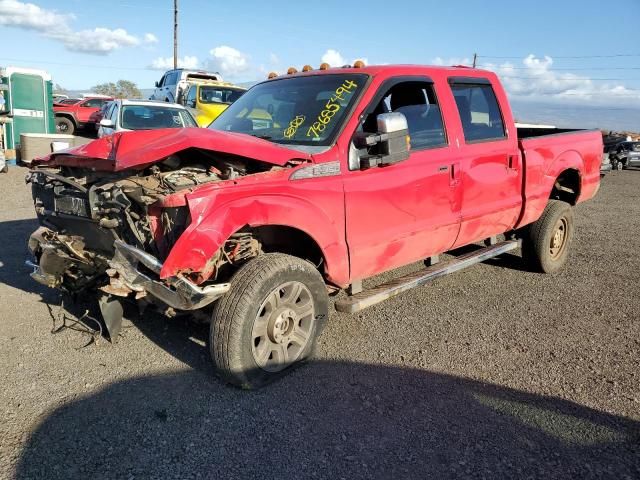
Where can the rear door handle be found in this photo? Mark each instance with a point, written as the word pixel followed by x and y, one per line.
pixel 512 162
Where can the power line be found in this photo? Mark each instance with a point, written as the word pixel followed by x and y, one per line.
pixel 485 65
pixel 614 55
pixel 572 79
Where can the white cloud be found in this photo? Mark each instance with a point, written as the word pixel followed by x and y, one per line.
pixel 51 24
pixel 29 16
pixel 535 78
pixel 228 61
pixel 335 59
pixel 150 38
pixel 166 63
pixel 97 41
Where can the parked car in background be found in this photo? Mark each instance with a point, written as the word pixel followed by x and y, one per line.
pixel 99 115
pixel 125 115
pixel 69 117
pixel 67 101
pixel 625 154
pixel 207 100
pixel 58 97
pixel 605 166
pixel 170 87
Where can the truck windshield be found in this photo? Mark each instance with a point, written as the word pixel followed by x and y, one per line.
pixel 150 117
pixel 210 94
pixel 307 110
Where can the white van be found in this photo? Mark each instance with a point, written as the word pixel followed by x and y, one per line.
pixel 173 83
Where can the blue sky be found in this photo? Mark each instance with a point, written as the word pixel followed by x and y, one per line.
pixel 82 42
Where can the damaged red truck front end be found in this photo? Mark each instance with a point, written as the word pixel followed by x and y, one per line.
pixel 111 213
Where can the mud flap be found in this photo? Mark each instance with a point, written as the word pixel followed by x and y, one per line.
pixel 111 310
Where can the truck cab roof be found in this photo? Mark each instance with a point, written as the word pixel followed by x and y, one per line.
pixel 399 70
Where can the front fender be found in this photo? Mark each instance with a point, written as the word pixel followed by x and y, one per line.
pixel 211 227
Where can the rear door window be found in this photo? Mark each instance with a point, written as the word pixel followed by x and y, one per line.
pixel 479 112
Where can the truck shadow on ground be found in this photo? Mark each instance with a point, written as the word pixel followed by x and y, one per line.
pixel 328 420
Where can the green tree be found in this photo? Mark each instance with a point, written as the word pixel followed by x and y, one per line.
pixel 57 88
pixel 120 89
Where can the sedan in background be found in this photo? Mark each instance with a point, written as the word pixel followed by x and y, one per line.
pixel 126 115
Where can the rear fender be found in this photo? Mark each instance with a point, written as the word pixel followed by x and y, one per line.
pixel 211 228
pixel 570 159
pixel 541 177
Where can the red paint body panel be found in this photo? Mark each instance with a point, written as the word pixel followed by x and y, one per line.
pixel 364 221
pixel 545 158
pixel 315 206
pixel 137 150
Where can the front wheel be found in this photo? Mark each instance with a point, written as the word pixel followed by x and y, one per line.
pixel 64 125
pixel 268 322
pixel 546 242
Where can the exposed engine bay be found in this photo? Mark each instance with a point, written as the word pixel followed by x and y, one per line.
pixel 110 231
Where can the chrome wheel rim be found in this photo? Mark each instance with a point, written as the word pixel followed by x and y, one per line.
pixel 559 238
pixel 283 326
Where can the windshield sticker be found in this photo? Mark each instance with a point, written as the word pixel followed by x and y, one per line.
pixel 293 126
pixel 332 107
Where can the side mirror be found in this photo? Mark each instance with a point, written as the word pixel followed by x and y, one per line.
pixel 192 103
pixel 392 141
pixel 157 84
pixel 107 123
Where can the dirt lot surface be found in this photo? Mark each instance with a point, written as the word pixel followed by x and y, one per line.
pixel 493 372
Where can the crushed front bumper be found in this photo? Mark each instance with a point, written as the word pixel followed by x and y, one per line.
pixel 126 275
pixel 60 259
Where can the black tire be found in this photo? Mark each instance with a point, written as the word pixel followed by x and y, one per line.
pixel 232 341
pixel 65 125
pixel 546 242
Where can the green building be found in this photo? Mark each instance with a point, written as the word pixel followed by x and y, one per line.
pixel 26 105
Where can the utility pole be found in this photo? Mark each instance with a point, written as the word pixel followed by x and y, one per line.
pixel 475 57
pixel 175 34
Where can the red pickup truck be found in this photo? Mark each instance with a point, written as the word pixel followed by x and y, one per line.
pixel 72 116
pixel 305 186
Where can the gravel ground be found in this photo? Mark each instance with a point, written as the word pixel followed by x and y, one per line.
pixel 493 372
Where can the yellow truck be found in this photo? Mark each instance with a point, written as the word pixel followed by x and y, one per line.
pixel 207 100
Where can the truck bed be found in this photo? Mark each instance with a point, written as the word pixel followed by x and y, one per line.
pixel 530 132
pixel 546 152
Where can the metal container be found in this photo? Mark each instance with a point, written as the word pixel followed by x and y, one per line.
pixel 26 99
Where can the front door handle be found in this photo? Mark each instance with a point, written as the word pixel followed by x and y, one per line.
pixel 454 174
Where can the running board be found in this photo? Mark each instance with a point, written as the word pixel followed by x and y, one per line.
pixel 367 298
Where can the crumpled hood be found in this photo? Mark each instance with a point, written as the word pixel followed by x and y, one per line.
pixel 137 150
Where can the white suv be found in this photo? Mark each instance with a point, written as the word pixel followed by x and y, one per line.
pixel 170 87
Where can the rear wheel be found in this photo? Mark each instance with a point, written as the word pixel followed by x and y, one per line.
pixel 269 320
pixel 546 242
pixel 65 125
